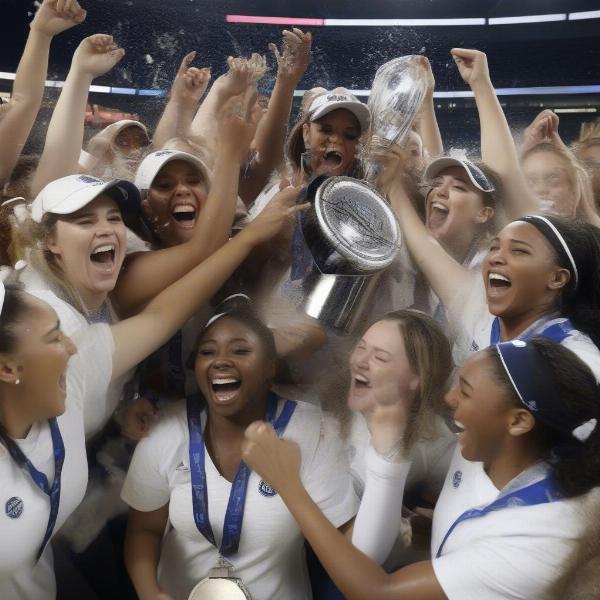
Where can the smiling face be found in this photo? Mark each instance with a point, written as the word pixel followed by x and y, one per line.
pixel 455 209
pixel 90 247
pixel 233 369
pixel 482 411
pixel 333 141
pixel 175 199
pixel 41 355
pixel 521 273
pixel 548 179
pixel 379 359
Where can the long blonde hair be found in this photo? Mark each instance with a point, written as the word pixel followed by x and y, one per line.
pixel 580 181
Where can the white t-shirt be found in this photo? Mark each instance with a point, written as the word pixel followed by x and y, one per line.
pixel 72 322
pixel 475 328
pixel 429 461
pixel 88 376
pixel 509 554
pixel 270 560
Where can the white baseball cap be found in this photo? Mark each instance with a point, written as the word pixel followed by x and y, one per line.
pixel 340 98
pixel 155 161
pixel 476 175
pixel 114 129
pixel 67 195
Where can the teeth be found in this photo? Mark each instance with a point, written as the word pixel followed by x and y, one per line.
pixel 498 277
pixel 361 378
pixel 439 206
pixel 106 248
pixel 225 381
pixel 459 425
pixel 184 208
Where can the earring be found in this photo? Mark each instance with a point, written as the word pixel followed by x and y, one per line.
pixel 17 382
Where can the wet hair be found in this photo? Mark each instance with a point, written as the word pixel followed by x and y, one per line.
pixel 247 318
pixel 430 358
pixel 574 464
pixel 14 308
pixel 580 181
pixel 581 303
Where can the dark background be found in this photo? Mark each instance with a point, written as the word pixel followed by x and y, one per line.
pixel 523 55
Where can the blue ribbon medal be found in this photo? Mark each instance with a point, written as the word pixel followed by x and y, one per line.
pixel 39 478
pixel 232 527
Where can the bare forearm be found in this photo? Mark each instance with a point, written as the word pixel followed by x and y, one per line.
pixel 142 552
pixel 204 124
pixel 175 121
pixel 429 130
pixel 498 150
pixel 65 132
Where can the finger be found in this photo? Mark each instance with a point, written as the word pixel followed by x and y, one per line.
pixel 297 209
pixel 60 6
pixel 185 63
pixel 80 16
pixel 284 183
pixel 253 430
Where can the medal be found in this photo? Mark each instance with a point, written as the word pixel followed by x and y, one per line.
pixel 220 584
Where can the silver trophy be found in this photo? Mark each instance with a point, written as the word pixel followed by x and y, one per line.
pixel 395 100
pixel 352 235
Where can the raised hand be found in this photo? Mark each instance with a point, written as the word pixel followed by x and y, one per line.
pixel 277 461
pixel 239 77
pixel 278 215
pixel 544 128
pixel 295 56
pixel 472 65
pixel 190 83
pixel 258 66
pixel 56 16
pixel 97 55
pixel 137 419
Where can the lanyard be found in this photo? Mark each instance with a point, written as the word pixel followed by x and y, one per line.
pixel 52 491
pixel 232 527
pixel 556 330
pixel 541 492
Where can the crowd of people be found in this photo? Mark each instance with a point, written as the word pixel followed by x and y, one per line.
pixel 169 415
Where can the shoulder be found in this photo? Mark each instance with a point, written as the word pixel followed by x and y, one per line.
pixel 582 345
pixel 71 320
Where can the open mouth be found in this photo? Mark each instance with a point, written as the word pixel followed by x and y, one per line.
pixel 438 213
pixel 62 383
pixel 184 214
pixel 104 255
pixel 456 426
pixel 361 382
pixel 498 281
pixel 225 388
pixel 333 158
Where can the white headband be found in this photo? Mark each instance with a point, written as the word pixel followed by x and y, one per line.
pixel 5 273
pixel 562 242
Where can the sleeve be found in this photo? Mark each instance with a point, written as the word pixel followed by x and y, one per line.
pixel 146 485
pixel 328 479
pixel 513 568
pixel 586 350
pixel 379 517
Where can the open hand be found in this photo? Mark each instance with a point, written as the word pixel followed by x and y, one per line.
pixel 190 83
pixel 56 16
pixel 472 65
pixel 277 461
pixel 295 55
pixel 278 215
pixel 97 55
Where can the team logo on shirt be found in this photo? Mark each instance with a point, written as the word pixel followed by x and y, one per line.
pixel 474 346
pixel 266 490
pixel 181 467
pixel 14 507
pixel 456 478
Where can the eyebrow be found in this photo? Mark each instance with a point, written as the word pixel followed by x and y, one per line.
pixel 516 241
pixel 463 381
pixel 238 339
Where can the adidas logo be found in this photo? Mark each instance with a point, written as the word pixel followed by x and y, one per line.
pixel 182 467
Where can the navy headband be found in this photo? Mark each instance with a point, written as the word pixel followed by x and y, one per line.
pixel 556 240
pixel 533 381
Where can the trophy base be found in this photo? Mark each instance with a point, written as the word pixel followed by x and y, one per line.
pixel 337 300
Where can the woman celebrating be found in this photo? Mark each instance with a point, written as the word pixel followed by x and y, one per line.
pixel 407 352
pixel 188 475
pixel 41 400
pixel 509 511
pixel 540 277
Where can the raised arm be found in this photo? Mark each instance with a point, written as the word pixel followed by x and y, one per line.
pixel 235 82
pixel 138 336
pixel 497 145
pixel 188 87
pixel 18 118
pixel 270 137
pixel 148 273
pixel 356 575
pixel 543 129
pixel 95 56
pixel 427 121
